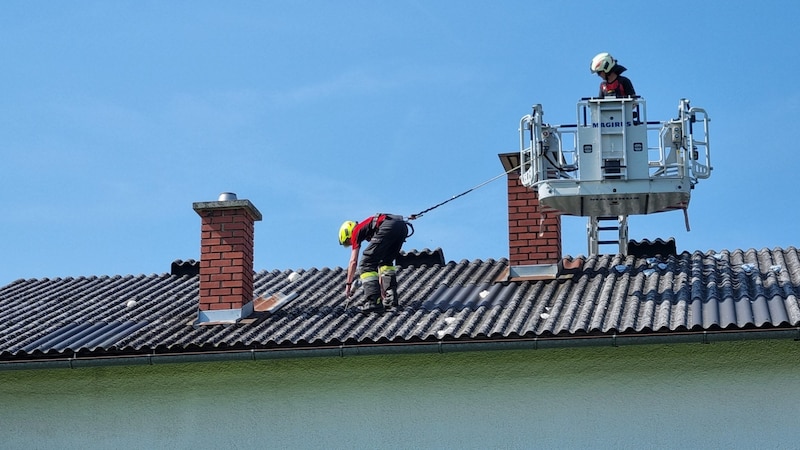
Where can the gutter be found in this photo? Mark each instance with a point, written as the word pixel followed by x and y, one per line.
pixel 441 346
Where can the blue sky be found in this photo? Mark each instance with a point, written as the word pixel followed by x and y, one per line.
pixel 116 116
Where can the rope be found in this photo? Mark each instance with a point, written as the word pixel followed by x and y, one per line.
pixel 419 214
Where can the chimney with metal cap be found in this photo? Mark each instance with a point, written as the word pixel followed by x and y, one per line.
pixel 534 236
pixel 226 258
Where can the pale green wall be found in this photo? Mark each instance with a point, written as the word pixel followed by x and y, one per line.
pixel 719 395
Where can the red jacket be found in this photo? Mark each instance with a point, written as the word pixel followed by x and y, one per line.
pixel 366 229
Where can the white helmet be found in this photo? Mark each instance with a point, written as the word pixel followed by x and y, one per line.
pixel 602 62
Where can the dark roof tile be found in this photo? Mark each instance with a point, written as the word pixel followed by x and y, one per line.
pixel 606 295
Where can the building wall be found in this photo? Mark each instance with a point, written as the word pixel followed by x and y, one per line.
pixel 719 395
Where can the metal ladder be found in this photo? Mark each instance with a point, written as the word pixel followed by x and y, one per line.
pixel 598 224
pixel 614 165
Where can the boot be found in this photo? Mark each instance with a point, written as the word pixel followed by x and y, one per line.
pixel 372 305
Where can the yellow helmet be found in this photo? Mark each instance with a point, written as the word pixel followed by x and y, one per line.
pixel 346 232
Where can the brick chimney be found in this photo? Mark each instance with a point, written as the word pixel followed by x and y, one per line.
pixel 534 237
pixel 226 258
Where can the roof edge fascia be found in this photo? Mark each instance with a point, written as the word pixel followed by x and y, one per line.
pixel 441 346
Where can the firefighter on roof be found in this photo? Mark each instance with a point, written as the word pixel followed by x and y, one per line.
pixel 386 234
pixel 613 84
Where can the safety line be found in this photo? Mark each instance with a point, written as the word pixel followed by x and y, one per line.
pixel 419 214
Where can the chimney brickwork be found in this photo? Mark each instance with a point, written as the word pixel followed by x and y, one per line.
pixel 226 253
pixel 534 236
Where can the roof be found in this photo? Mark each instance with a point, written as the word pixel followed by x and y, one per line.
pixel 467 302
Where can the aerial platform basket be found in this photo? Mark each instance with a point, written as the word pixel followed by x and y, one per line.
pixel 614 162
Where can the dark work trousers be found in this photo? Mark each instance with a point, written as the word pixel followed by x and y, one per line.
pixel 383 249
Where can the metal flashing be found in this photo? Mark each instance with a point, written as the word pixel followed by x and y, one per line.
pixel 533 272
pixel 224 316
